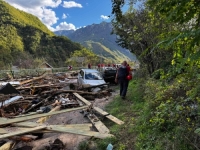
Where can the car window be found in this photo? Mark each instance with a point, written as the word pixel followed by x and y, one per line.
pixel 93 76
pixel 82 73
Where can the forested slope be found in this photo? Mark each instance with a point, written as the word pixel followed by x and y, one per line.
pixel 24 37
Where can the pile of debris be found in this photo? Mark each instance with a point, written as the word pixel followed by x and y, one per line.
pixel 40 98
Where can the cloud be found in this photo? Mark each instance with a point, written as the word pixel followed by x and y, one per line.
pixel 65 26
pixel 70 4
pixel 39 8
pixel 64 16
pixel 104 17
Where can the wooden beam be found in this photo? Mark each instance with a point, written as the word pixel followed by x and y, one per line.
pixel 44 119
pixel 99 110
pixel 82 127
pixel 21 119
pixel 82 99
pixel 107 115
pixel 8 145
pixel 22 132
pixel 114 119
pixel 98 124
pixel 80 132
pixel 36 78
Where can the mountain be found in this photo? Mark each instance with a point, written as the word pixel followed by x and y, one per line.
pixel 98 38
pixel 24 37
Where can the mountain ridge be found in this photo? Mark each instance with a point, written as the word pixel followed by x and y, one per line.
pixel 92 36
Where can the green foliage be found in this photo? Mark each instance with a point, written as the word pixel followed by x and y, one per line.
pixel 82 58
pixel 11 15
pixel 174 114
pixel 23 34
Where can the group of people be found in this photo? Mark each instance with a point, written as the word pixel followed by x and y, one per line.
pixel 123 76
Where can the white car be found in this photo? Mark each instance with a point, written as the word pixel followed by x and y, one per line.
pixel 90 76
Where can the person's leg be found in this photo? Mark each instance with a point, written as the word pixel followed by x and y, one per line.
pixel 121 87
pixel 125 87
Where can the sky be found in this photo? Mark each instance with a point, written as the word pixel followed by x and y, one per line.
pixel 66 14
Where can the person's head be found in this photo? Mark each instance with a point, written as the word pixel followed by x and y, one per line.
pixel 124 63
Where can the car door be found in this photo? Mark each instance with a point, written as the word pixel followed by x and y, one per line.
pixel 81 78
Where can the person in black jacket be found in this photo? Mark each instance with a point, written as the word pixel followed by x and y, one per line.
pixel 121 78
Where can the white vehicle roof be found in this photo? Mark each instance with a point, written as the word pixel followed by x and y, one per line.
pixel 89 70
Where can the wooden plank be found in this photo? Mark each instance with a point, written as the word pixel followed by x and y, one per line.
pixel 100 111
pixel 82 99
pixel 26 124
pixel 114 119
pixel 7 146
pixel 21 119
pixel 82 127
pixel 58 128
pixel 98 124
pixel 44 119
pixel 22 132
pixel 107 115
pixel 36 78
pixel 79 132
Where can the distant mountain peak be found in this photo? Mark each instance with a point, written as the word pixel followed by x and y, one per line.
pixel 95 35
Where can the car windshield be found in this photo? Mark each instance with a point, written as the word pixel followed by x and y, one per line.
pixel 93 76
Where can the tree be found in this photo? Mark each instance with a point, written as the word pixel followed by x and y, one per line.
pixel 87 55
pixel 138 31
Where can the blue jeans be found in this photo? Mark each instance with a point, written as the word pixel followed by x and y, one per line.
pixel 123 87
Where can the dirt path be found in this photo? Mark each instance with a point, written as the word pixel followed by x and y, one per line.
pixel 71 141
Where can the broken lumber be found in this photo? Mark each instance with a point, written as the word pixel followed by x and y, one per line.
pixel 73 129
pixel 21 119
pixel 22 132
pixel 30 80
pixel 8 145
pixel 86 133
pixel 98 124
pixel 44 119
pixel 99 110
pixel 82 99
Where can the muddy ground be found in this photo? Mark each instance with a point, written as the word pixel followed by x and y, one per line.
pixel 71 141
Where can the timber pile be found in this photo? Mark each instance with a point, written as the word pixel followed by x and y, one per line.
pixel 42 97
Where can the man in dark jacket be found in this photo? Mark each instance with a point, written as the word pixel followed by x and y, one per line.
pixel 121 78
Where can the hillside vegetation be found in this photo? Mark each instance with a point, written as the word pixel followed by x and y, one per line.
pixel 98 38
pixel 161 110
pixel 24 37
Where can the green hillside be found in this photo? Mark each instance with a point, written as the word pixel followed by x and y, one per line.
pixel 98 38
pixel 24 37
pixel 104 52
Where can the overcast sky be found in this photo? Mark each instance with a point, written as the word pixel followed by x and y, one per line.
pixel 66 14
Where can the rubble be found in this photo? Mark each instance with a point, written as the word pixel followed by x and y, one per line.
pixel 40 98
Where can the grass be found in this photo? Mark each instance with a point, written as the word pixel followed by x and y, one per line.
pixel 127 110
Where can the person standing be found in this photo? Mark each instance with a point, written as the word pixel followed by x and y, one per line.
pixel 121 78
pixel 89 66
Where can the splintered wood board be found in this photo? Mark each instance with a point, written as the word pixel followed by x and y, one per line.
pixel 107 115
pixel 82 127
pixel 82 99
pixel 22 132
pixel 44 119
pixel 21 119
pixel 99 110
pixel 114 119
pixel 99 125
pixel 81 132
pixel 79 129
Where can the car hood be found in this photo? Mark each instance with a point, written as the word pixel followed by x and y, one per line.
pixel 94 82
